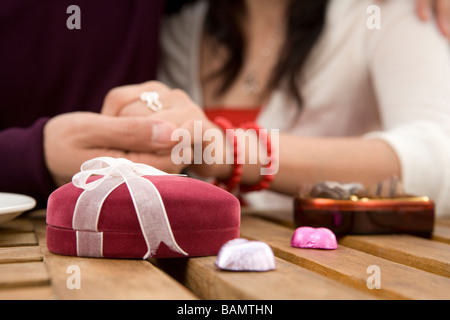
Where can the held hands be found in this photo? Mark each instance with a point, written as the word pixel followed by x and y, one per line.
pixel 127 128
pixel 177 108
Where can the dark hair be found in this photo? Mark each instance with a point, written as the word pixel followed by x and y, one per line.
pixel 305 22
pixel 173 6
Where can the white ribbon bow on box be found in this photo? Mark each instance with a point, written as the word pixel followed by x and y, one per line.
pixel 150 209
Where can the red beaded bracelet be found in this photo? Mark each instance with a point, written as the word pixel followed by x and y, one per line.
pixel 235 179
pixel 266 180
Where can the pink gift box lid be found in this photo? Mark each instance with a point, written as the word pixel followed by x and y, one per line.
pixel 202 216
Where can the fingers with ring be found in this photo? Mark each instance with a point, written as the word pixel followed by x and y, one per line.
pixel 152 100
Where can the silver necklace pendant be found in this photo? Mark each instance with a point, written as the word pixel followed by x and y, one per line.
pixel 251 84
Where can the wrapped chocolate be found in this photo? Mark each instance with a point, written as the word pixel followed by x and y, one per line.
pixel 118 209
pixel 386 189
pixel 314 238
pixel 335 190
pixel 245 255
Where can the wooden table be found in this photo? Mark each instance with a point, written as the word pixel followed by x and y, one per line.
pixel 406 267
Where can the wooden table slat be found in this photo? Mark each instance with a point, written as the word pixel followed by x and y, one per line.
pixel 44 292
pixel 411 268
pixel 350 266
pixel 20 224
pixel 16 239
pixel 20 254
pixel 109 279
pixel 23 274
pixel 443 222
pixel 441 232
pixel 424 254
pixel 287 282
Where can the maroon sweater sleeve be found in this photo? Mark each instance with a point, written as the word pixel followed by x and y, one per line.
pixel 48 69
pixel 23 168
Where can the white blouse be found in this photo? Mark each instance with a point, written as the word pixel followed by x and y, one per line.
pixel 391 83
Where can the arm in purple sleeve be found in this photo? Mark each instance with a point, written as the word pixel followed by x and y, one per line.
pixel 48 69
pixel 22 163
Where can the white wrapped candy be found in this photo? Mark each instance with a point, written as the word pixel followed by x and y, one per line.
pixel 244 255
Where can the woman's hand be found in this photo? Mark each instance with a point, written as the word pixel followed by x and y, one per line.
pixel 178 109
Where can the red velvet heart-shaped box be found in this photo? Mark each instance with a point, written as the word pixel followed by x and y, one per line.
pixel 202 218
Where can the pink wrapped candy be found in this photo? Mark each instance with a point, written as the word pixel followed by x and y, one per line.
pixel 312 238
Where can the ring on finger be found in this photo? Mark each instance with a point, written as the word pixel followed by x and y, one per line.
pixel 152 100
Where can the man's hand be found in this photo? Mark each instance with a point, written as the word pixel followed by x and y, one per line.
pixel 425 10
pixel 73 138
